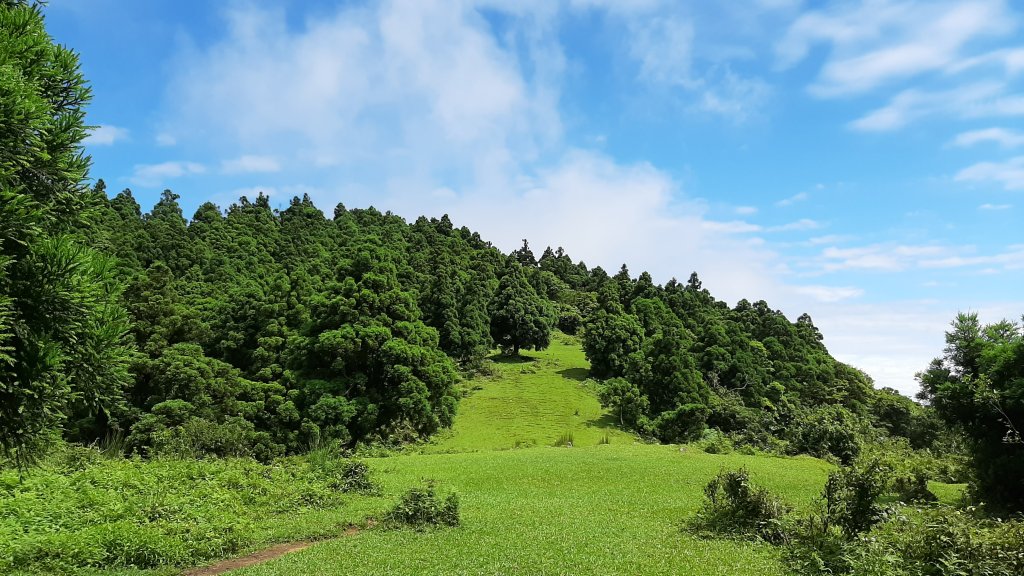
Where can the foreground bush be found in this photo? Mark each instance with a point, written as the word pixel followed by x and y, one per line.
pixel 421 507
pixel 735 507
pixel 79 510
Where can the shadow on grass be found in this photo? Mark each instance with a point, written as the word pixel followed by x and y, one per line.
pixel 501 358
pixel 603 421
pixel 578 374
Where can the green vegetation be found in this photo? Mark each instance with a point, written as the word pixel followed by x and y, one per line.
pixel 978 385
pixel 234 362
pixel 533 400
pixel 80 511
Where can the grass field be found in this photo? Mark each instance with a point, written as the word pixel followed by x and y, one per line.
pixel 615 508
pixel 610 504
pixel 534 400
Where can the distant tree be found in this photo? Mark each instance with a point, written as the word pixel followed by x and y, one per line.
pixel 626 401
pixel 610 336
pixel 524 256
pixel 63 333
pixel 520 318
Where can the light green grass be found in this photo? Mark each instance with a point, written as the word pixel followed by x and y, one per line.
pixel 950 494
pixel 590 509
pixel 531 401
pixel 615 509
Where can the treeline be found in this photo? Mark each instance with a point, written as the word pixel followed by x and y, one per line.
pixel 265 331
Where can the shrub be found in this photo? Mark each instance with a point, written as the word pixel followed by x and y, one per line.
pixel 828 431
pixel 913 487
pixel 940 542
pixel 715 442
pixel 734 506
pixel 421 507
pixel 682 424
pixel 340 473
pixel 848 506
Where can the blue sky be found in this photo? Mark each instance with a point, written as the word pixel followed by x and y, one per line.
pixel 862 161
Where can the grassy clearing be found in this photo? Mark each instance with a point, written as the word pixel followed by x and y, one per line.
pixel 596 508
pixel 614 509
pixel 535 400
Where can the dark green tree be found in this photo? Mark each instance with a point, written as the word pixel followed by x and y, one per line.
pixel 63 345
pixel 520 318
pixel 978 386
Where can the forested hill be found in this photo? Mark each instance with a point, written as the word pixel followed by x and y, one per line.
pixel 264 331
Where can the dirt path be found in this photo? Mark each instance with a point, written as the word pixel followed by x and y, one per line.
pixel 261 556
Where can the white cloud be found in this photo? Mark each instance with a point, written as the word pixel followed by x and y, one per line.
pixel 1011 259
pixel 105 135
pixel 157 174
pixel 828 239
pixel 801 224
pixel 995 207
pixel 875 42
pixel 979 100
pixel 249 164
pixel 1008 174
pixel 798 197
pixel 878 257
pixel 1002 136
pixel 829 293
pixel 745 210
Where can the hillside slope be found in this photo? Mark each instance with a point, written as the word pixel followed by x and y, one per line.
pixel 615 508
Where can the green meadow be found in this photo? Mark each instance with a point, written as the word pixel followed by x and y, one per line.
pixel 530 503
pixel 529 507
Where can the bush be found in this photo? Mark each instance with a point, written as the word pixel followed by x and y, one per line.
pixel 421 507
pixel 828 431
pixel 913 487
pixel 734 506
pixel 80 510
pixel 340 473
pixel 682 424
pixel 715 442
pixel 940 542
pixel 848 506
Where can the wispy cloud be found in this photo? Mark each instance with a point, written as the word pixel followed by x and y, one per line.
pixel 802 224
pixel 995 207
pixel 1008 174
pixel 798 197
pixel 105 135
pixel 1002 136
pixel 978 100
pixel 1011 259
pixel 250 164
pixel 875 42
pixel 745 210
pixel 157 174
pixel 830 293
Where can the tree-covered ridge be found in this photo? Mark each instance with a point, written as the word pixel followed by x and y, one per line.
pixel 263 331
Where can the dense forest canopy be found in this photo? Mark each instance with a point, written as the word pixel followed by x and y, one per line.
pixel 265 331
